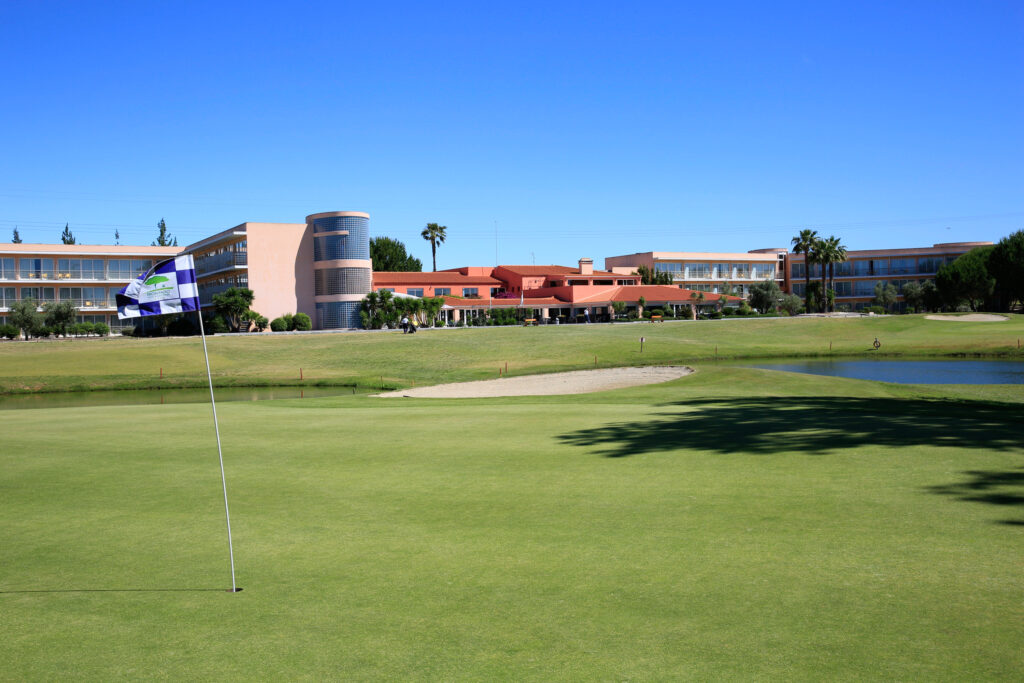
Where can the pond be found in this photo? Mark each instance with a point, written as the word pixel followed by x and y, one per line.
pixel 123 398
pixel 909 371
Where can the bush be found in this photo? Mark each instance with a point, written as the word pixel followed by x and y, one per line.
pixel 101 329
pixel 289 321
pixel 728 311
pixel 9 331
pixel 877 310
pixel 215 325
pixel 128 331
pixel 715 315
pixel 302 322
pixel 279 325
pixel 182 327
pixel 87 328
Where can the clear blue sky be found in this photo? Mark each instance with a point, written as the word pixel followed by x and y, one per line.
pixel 569 129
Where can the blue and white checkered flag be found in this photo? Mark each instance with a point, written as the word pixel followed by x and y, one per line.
pixel 168 287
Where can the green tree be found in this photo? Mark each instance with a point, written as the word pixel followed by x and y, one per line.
pixel 696 298
pixel 59 315
pixel 66 237
pixel 836 253
pixel 640 304
pixel 764 296
pixel 117 237
pixel 791 304
pixel 653 277
pixel 232 305
pixel 1006 264
pixel 967 280
pixel 619 307
pixel 434 234
pixel 389 256
pixel 803 244
pixel 25 317
pixel 885 295
pixel 913 295
pixel 302 322
pixel 931 298
pixel 16 238
pixel 164 238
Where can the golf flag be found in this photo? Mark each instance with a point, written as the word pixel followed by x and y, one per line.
pixel 168 287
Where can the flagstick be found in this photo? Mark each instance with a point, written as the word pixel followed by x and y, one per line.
pixel 220 454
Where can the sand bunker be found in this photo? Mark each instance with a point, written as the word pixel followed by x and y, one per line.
pixel 969 318
pixel 577 382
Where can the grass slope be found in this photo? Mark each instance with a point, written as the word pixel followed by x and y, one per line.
pixel 432 356
pixel 737 523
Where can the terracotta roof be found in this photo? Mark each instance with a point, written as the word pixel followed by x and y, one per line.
pixel 439 278
pixel 536 302
pixel 665 293
pixel 553 270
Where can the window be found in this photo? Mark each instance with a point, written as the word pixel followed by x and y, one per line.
pixel 415 291
pixel 36 268
pixel 40 294
pixel 742 270
pixel 799 270
pixel 930 264
pixel 329 281
pixel 865 287
pixel 330 248
pixel 844 269
pixel 7 271
pixel 701 270
pixel 862 268
pixel 442 291
pixel 844 288
pixel 470 291
pixel 762 271
pixel 6 297
pixel 125 269
pixel 901 266
pixel 668 267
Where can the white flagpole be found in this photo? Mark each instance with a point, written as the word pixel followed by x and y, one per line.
pixel 220 454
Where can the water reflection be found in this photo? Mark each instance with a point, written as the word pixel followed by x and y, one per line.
pixel 910 371
pixel 150 397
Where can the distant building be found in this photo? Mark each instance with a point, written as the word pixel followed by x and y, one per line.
pixel 863 269
pixel 712 272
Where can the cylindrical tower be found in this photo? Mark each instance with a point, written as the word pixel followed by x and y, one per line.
pixel 342 270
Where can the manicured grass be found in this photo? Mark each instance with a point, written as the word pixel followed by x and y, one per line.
pixel 737 523
pixel 432 356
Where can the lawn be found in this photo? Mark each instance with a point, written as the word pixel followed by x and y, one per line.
pixel 736 523
pixel 432 356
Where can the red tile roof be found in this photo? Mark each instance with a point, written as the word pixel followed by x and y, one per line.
pixel 536 302
pixel 555 270
pixel 431 279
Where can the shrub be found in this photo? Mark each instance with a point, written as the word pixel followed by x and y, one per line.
pixel 877 310
pixel 728 311
pixel 42 332
pixel 9 331
pixel 279 325
pixel 215 325
pixel 302 322
pixel 128 331
pixel 715 315
pixel 289 321
pixel 87 328
pixel 101 329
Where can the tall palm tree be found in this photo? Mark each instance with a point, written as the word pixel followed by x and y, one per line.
pixel 838 255
pixel 803 244
pixel 434 233
pixel 821 256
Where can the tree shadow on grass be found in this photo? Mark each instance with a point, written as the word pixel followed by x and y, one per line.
pixel 1004 488
pixel 809 425
pixel 820 425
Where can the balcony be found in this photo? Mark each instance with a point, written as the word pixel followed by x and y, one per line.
pixel 228 259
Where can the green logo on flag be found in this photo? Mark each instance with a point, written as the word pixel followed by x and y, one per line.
pixel 157 279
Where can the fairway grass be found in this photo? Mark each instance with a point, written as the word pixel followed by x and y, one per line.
pixel 734 524
pixel 369 360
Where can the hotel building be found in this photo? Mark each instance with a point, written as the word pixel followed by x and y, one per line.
pixel 857 276
pixel 87 275
pixel 713 272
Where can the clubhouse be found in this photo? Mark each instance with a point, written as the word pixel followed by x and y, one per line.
pixel 322 267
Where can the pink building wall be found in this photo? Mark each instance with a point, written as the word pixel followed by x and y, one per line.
pixel 280 257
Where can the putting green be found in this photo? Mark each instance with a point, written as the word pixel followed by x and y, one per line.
pixel 737 523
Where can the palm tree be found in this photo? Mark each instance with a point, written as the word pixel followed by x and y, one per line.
pixel 821 255
pixel 696 298
pixel 838 255
pixel 803 244
pixel 434 233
